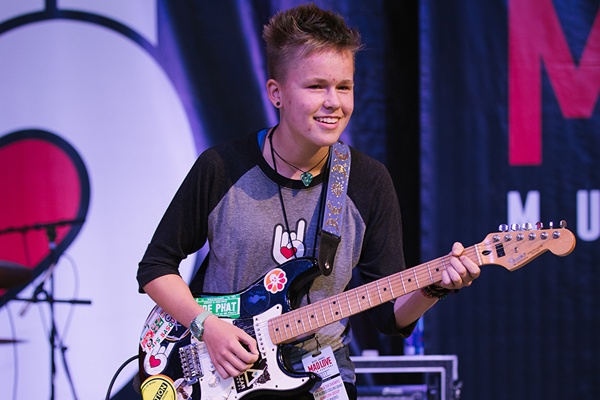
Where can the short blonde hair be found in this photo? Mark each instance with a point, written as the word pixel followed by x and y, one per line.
pixel 303 30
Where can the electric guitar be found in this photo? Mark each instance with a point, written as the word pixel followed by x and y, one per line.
pixel 171 359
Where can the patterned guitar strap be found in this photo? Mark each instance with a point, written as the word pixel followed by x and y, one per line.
pixel 335 199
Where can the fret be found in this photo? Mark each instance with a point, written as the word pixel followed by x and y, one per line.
pixel 291 325
pixel 384 292
pixel 349 304
pixel 323 313
pixel 416 278
pixel 331 310
pixel 368 295
pixel 429 270
pixel 300 322
pixel 479 260
pixel 379 292
pixel 402 280
pixel 337 313
pixel 343 304
pixel 275 330
pixel 278 328
pixel 310 313
pixel 358 300
pixel 285 319
pixel 444 263
pixel 389 279
pixel 409 282
pixel 308 318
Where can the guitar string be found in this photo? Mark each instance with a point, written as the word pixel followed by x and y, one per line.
pixel 421 272
pixel 429 272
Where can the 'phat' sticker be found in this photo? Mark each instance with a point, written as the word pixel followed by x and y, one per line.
pixel 227 306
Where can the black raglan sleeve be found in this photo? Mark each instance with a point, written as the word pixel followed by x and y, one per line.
pixel 382 253
pixel 183 228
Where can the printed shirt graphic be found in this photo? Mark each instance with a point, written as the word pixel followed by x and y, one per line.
pixel 288 245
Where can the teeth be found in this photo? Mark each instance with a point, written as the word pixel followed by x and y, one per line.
pixel 327 120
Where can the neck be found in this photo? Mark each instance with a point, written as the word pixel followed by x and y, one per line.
pixel 292 161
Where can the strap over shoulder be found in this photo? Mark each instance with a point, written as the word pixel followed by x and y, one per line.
pixel 337 186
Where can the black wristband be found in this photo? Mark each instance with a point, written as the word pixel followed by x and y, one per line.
pixel 436 292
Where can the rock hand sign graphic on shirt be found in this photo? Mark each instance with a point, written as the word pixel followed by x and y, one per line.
pixel 287 245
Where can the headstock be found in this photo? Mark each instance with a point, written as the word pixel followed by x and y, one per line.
pixel 513 247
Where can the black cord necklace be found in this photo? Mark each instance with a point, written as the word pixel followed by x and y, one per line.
pixel 321 196
pixel 306 176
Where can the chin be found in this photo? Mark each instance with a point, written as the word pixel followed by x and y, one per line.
pixel 329 136
pixel 327 140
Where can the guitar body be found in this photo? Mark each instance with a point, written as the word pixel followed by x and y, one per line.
pixel 168 349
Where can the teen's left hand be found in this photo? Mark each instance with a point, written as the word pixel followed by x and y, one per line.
pixel 461 272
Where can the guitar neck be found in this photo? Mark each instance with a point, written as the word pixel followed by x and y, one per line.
pixel 297 323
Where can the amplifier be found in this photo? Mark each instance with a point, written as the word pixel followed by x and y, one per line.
pixel 396 392
pixel 418 377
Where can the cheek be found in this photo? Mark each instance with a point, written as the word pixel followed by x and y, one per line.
pixel 307 106
pixel 348 107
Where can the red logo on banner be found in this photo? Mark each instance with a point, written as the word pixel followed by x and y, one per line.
pixel 537 40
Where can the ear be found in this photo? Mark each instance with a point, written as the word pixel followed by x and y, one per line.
pixel 274 93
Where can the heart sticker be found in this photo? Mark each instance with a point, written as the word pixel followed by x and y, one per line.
pixel 44 200
pixel 154 362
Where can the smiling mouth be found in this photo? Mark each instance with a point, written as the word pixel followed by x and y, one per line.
pixel 327 120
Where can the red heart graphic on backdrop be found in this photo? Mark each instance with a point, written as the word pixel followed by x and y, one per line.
pixel 44 199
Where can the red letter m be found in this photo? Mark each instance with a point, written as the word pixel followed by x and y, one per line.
pixel 535 36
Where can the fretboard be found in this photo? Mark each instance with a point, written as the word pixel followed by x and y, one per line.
pixel 297 323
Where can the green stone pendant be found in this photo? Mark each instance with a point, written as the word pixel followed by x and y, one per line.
pixel 307 178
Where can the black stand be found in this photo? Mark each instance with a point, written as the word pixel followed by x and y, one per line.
pixel 49 295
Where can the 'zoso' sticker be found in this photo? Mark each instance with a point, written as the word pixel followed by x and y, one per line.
pixel 275 280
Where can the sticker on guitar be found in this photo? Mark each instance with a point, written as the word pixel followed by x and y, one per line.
pixel 267 315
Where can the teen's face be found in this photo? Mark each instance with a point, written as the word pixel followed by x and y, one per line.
pixel 317 98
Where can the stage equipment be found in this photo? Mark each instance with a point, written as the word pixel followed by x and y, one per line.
pixel 46 295
pixel 420 377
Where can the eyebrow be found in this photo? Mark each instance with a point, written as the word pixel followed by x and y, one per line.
pixel 322 81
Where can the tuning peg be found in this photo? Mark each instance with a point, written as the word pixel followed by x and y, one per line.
pixel 520 237
pixel 563 224
pixel 527 226
pixel 515 227
pixel 503 228
pixel 550 225
pixel 539 225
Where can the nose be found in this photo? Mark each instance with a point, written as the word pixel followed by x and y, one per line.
pixel 332 100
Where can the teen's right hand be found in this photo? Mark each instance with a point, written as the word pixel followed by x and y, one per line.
pixel 231 350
